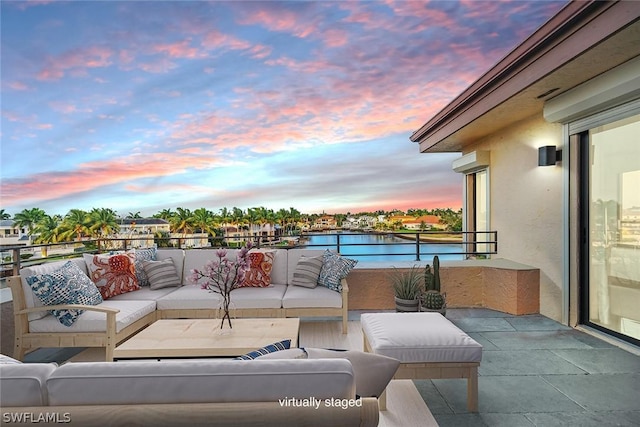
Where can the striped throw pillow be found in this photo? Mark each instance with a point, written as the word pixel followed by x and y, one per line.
pixel 271 348
pixel 307 271
pixel 161 274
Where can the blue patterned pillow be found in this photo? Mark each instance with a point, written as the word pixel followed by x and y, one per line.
pixel 271 348
pixel 148 254
pixel 65 285
pixel 334 269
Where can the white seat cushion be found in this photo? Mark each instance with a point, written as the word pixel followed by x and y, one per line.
pixel 269 297
pixel 419 337
pixel 200 381
pixel 321 297
pixel 189 297
pixel 91 321
pixel 143 294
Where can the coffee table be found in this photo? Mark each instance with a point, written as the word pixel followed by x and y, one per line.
pixel 183 338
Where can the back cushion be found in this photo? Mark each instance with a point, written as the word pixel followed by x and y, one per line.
pixel 31 300
pixel 23 384
pixel 200 381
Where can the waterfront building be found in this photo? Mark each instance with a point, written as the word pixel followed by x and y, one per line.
pixel 144 226
pixel 551 161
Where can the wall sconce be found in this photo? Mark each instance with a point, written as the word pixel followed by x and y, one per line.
pixel 548 155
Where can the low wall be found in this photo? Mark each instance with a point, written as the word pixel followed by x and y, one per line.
pixel 497 284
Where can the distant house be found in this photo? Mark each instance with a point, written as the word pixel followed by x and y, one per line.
pixel 144 225
pixel 325 222
pixel 424 222
pixel 12 235
pixel 551 161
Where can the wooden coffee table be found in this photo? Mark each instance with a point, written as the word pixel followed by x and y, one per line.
pixel 182 338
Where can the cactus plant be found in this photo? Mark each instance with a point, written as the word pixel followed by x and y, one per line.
pixel 432 299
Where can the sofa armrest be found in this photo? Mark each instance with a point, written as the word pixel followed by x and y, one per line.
pixel 108 310
pixel 345 286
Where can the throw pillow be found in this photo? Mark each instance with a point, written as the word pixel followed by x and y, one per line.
pixel 113 274
pixel 148 254
pixel 372 371
pixel 161 274
pixel 271 348
pixel 66 285
pixel 260 265
pixel 334 269
pixel 307 272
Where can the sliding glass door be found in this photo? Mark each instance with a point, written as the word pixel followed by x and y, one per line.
pixel 611 227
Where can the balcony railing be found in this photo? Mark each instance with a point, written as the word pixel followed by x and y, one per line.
pixel 386 244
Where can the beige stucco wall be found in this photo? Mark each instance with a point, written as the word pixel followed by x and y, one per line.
pixel 526 203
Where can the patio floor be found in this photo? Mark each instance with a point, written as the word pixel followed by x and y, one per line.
pixel 534 372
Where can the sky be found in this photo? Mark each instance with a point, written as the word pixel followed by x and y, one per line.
pixel 141 106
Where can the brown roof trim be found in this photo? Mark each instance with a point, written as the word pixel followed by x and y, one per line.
pixel 573 17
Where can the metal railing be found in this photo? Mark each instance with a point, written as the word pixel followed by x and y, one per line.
pixel 407 243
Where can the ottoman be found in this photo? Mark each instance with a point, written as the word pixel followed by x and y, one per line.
pixel 428 346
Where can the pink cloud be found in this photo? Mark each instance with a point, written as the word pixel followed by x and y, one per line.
pixel 16 85
pixel 77 60
pixel 93 175
pixel 178 50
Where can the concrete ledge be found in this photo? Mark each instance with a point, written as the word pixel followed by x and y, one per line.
pixel 498 284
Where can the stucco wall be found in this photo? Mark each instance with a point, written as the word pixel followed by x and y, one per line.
pixel 526 203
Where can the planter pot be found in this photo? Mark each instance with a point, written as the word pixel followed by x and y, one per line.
pixel 406 305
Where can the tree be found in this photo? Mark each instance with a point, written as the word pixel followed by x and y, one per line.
pixel 182 221
pixel 133 215
pixel 165 214
pixel 48 230
pixel 29 218
pixel 4 215
pixel 102 222
pixel 204 221
pixel 75 225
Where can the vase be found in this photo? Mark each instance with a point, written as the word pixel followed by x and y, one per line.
pixel 226 313
pixel 406 305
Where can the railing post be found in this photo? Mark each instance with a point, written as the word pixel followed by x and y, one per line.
pixel 338 243
pixel 16 261
pixel 417 246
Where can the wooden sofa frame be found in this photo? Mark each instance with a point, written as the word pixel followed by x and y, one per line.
pixel 26 340
pixel 236 414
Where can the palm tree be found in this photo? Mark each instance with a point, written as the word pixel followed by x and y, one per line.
pixel 47 229
pixel 225 216
pixel 29 218
pixel 103 222
pixel 75 225
pixel 134 215
pixel 4 215
pixel 182 222
pixel 165 214
pixel 204 220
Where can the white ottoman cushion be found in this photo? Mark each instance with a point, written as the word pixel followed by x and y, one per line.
pixel 419 338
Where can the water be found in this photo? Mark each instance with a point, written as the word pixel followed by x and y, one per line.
pixel 383 247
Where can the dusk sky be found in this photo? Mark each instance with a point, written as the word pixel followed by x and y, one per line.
pixel 142 106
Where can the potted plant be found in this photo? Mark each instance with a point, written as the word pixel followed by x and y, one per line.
pixel 432 299
pixel 407 287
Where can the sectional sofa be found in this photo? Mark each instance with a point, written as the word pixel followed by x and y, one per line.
pixel 291 392
pixel 119 317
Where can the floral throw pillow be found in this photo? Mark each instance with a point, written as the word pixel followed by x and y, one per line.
pixel 65 285
pixel 259 274
pixel 113 274
pixel 334 269
pixel 148 254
